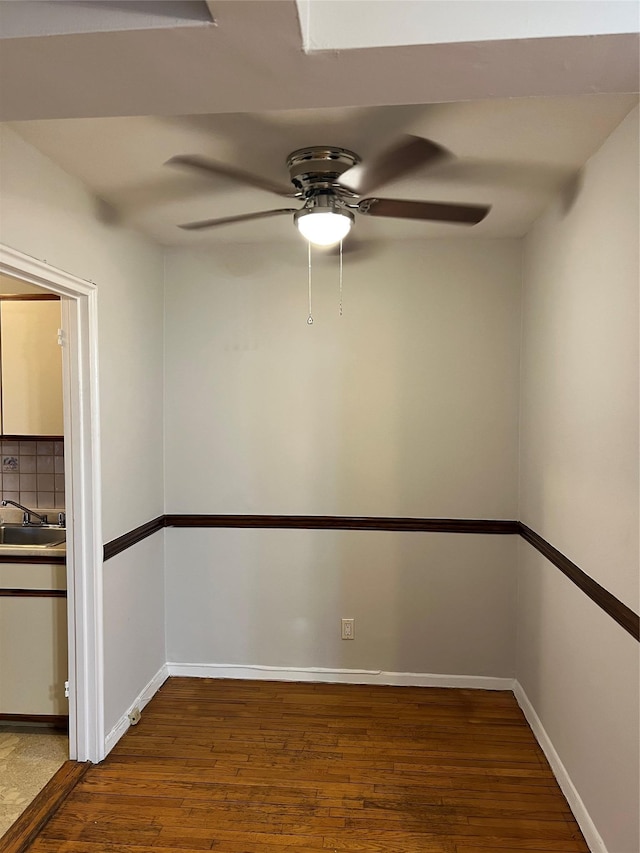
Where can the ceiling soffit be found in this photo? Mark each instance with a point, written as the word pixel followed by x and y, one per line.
pixel 252 60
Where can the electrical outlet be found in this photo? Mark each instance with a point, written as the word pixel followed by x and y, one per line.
pixel 348 629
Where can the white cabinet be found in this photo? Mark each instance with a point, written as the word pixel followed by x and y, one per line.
pixel 33 642
pixel 31 367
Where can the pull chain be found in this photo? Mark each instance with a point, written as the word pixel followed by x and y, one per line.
pixel 341 278
pixel 310 317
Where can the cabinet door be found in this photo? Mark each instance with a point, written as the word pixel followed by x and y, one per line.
pixel 33 656
pixel 31 367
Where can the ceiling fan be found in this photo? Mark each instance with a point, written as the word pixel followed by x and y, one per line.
pixel 331 182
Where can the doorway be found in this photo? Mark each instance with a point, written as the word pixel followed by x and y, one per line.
pixel 34 739
pixel 82 486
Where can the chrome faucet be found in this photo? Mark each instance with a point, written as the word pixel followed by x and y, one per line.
pixel 27 513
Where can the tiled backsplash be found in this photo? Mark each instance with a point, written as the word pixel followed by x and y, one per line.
pixel 33 472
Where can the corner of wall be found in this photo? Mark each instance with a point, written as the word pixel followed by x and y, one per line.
pixel 582 816
pixel 142 699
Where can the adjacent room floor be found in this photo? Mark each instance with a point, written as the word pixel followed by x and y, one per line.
pixel 254 767
pixel 29 756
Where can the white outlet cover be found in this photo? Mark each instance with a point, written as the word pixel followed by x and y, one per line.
pixel 348 629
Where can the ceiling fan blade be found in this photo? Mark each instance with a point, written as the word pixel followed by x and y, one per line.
pixel 212 167
pixel 412 152
pixel 227 220
pixel 431 211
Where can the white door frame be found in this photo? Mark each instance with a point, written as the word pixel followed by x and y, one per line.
pixel 82 486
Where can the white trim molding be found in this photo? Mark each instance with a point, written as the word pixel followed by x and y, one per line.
pixel 82 485
pixel 337 676
pixel 582 816
pixel 143 698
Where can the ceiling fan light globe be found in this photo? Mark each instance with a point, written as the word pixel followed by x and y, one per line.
pixel 324 227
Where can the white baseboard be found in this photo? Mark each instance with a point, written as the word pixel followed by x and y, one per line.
pixel 338 676
pixel 145 696
pixel 591 834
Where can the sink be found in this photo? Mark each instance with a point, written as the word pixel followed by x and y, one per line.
pixel 41 536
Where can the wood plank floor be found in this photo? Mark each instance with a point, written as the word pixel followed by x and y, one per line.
pixel 266 767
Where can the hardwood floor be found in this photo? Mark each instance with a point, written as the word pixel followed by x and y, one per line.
pixel 29 823
pixel 265 767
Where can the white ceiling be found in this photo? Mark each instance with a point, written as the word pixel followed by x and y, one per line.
pixel 513 154
pixel 63 17
pixel 522 115
pixel 325 26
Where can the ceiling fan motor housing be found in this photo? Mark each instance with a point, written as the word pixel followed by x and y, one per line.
pixel 319 167
pixel 324 202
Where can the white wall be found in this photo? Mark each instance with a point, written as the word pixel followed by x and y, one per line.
pixel 422 602
pixel 49 215
pixel 579 480
pixel 134 624
pixel 405 406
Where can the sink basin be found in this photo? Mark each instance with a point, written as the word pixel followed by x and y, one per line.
pixel 43 536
